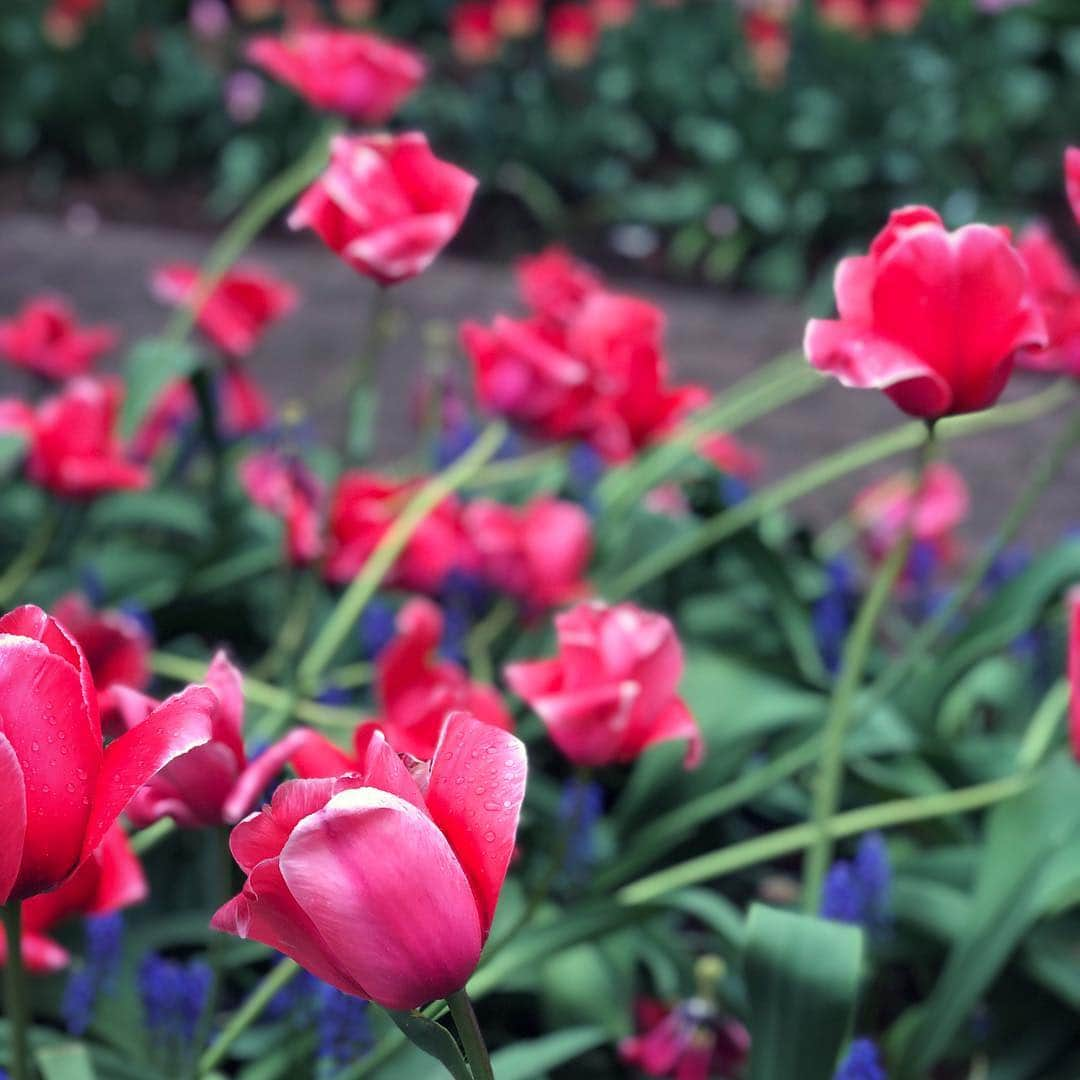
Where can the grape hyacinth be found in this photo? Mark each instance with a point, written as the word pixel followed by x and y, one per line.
pixel 375 628
pixel 857 891
pixel 174 998
pixel 862 1062
pixel 833 611
pixel 98 975
pixel 581 805
pixel 344 1029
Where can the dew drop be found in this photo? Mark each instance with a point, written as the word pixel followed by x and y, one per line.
pixel 489 836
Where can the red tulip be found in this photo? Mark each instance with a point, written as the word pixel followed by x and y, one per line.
pixel 933 318
pixel 362 76
pixel 572 34
pixel 414 691
pixel 45 338
pixel 291 491
pixel 612 690
pixel 1073 613
pixel 516 18
pixel 245 408
pixel 363 507
pixel 116 647
pixel 174 408
pixel 1056 286
pixel 537 553
pixel 194 789
pixel 730 456
pixel 384 882
pixel 238 310
pixel 613 13
pixel 386 204
pixel 73 449
pixel 768 40
pixel 556 285
pixel 60 789
pixel 473 33
pixel 1072 179
pixel 110 880
pixel 884 511
pixel 900 16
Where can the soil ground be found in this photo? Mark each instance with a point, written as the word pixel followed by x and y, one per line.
pixel 714 338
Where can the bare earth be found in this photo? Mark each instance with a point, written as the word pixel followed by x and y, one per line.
pixel 714 338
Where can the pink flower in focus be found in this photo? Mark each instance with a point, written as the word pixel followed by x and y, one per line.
pixel 364 77
pixel 933 318
pixel 45 338
pixel 386 204
pixel 239 309
pixel 612 690
pixel 384 881
pixel 110 880
pixel 883 511
pixel 537 553
pixel 291 491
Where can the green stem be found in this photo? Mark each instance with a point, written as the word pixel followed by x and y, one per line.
pixel 1039 736
pixel 364 586
pixel 484 634
pixel 152 835
pixel 19 571
pixel 1044 472
pixel 303 591
pixel 202 386
pixel 232 243
pixel 472 1038
pixel 782 842
pixel 15 992
pixel 252 1008
pixel 829 780
pixel 820 473
pixel 349 676
pixel 523 467
pixel 364 382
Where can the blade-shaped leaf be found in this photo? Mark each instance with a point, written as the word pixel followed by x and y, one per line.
pixel 65 1061
pixel 531 1059
pixel 433 1039
pixel 151 365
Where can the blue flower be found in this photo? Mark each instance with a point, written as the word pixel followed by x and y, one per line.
pixel 862 1062
pixel 98 975
pixel 376 628
pixel 858 891
pixel 334 695
pixel 458 435
pixel 733 490
pixel 1007 565
pixel 174 999
pixel 77 1004
pixel 581 805
pixel 586 468
pixel 344 1029
pixel 832 613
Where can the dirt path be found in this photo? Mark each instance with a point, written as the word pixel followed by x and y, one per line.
pixel 714 338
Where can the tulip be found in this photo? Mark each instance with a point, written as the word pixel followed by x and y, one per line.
pixel 612 14
pixel 611 692
pixel 245 408
pixel 110 880
pixel 116 645
pixel 60 788
pixel 1056 286
pixel 292 492
pixel 45 338
pixel 363 507
pixel 537 554
pixel 572 34
pixel 239 308
pixel 730 456
pixel 386 204
pixel 933 318
pixel 384 882
pixel 1072 179
pixel 174 408
pixel 473 33
pixel 73 448
pixel 516 18
pixel 363 77
pixel 555 285
pixel 414 691
pixel 687 1041
pixel 194 789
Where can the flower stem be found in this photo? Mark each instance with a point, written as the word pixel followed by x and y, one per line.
pixel 828 783
pixel 366 583
pixel 19 571
pixel 15 992
pixel 274 980
pixel 363 393
pixel 472 1038
pixel 146 839
pixel 817 475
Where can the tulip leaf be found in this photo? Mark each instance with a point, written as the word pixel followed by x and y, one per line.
pixel 12 448
pixel 433 1039
pixel 151 365
pixel 65 1061
pixel 802 978
pixel 533 1058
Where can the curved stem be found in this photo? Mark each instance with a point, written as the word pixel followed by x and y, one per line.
pixel 472 1038
pixel 29 558
pixel 781 842
pixel 820 473
pixel 15 992
pixel 829 779
pixel 152 835
pixel 393 542
pixel 274 980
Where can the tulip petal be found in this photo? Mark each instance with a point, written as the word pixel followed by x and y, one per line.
pixel 1072 179
pixel 474 795
pixel 41 955
pixel 12 817
pixel 387 894
pixel 176 726
pixel 382 768
pixel 677 722
pixel 228 685
pixel 267 911
pixel 121 882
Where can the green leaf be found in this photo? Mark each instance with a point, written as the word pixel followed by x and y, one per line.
pixel 12 448
pixel 433 1039
pixel 529 1060
pixel 168 510
pixel 151 365
pixel 65 1061
pixel 802 977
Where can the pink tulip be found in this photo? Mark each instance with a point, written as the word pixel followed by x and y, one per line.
pixel 384 882
pixel 612 690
